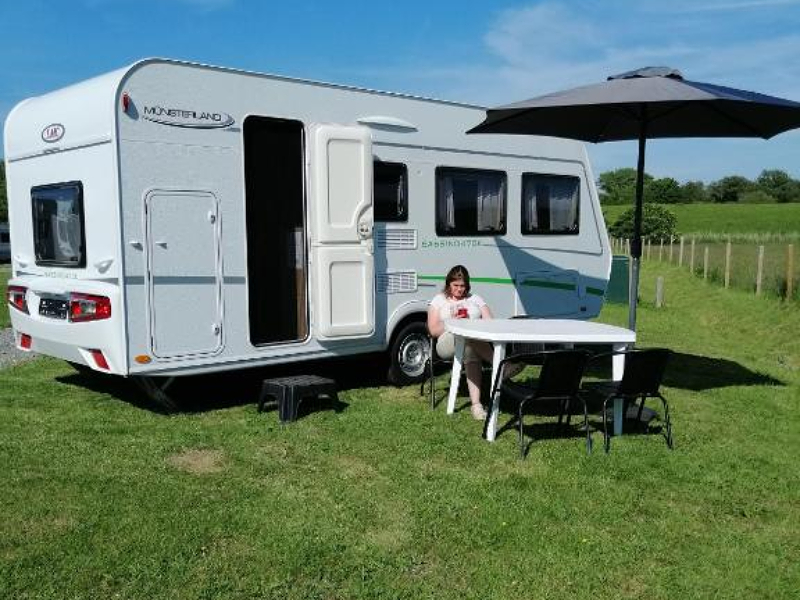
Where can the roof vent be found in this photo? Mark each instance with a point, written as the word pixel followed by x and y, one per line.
pixel 650 72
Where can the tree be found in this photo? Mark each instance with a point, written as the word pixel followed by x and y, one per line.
pixel 619 187
pixel 657 222
pixel 663 191
pixel 779 185
pixel 3 194
pixel 729 189
pixel 694 191
pixel 756 197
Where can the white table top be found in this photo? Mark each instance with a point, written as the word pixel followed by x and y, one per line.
pixel 539 330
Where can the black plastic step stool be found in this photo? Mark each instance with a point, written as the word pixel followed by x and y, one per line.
pixel 290 391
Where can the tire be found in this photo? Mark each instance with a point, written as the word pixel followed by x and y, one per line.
pixel 409 354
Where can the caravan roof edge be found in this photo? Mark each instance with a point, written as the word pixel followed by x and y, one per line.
pixel 147 61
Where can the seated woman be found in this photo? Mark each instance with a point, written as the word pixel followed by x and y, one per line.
pixel 457 302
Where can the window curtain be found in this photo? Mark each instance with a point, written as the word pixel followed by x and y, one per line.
pixel 563 204
pixel 489 204
pixel 447 209
pixel 66 227
pixel 529 202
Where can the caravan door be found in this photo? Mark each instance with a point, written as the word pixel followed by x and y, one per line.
pixel 184 276
pixel 342 261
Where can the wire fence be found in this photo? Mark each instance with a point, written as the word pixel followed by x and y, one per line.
pixel 766 268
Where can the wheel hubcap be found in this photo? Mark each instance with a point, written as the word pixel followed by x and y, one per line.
pixel 413 354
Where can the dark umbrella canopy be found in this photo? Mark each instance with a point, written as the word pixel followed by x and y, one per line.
pixel 654 102
pixel 675 108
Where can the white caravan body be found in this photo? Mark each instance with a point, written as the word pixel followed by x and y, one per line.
pixel 172 218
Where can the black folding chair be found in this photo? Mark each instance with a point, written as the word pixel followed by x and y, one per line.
pixel 433 364
pixel 559 379
pixel 644 372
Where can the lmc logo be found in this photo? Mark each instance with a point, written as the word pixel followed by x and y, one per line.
pixel 52 133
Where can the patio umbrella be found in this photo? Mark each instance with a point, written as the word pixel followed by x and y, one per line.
pixel 654 102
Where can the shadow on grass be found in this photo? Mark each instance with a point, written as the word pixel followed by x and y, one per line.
pixel 698 373
pixel 215 391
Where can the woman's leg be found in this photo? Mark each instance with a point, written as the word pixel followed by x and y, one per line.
pixel 474 376
pixel 483 349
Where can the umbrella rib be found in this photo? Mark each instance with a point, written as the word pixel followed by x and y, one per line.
pixel 739 122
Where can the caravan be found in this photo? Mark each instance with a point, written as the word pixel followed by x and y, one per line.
pixel 172 218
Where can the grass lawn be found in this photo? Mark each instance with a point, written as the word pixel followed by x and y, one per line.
pixel 102 498
pixel 742 219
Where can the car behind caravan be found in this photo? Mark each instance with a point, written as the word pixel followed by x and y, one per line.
pixel 171 218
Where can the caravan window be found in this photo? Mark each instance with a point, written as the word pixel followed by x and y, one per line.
pixel 550 204
pixel 390 191
pixel 58 234
pixel 470 202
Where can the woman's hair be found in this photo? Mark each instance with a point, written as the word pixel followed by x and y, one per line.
pixel 454 274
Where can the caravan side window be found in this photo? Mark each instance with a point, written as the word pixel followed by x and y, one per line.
pixel 550 204
pixel 470 202
pixel 58 232
pixel 390 191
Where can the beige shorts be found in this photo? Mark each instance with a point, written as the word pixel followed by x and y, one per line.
pixel 446 348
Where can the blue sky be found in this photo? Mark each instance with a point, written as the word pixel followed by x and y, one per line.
pixel 475 51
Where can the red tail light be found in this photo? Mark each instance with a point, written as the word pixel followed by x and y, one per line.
pixel 100 360
pixel 25 341
pixel 86 307
pixel 16 297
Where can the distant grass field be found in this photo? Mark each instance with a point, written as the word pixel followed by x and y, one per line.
pixel 721 219
pixel 103 498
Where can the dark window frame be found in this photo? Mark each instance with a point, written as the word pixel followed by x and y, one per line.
pixel 400 216
pixel 524 230
pixel 78 200
pixel 443 171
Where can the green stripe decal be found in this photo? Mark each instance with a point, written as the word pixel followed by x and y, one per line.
pixel 553 285
pixel 501 280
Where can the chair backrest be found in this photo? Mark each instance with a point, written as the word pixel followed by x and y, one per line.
pixel 644 371
pixel 561 374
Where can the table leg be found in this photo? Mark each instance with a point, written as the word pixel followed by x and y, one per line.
pixel 455 376
pixel 617 369
pixel 491 426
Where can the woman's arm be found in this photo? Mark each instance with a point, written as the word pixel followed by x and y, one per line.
pixel 486 313
pixel 435 324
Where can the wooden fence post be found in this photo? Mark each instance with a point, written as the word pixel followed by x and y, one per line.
pixel 789 271
pixel 728 263
pixel 759 270
pixel 648 248
pixel 661 249
pixel 659 291
pixel 705 263
pixel 670 249
pixel 680 253
pixel 691 257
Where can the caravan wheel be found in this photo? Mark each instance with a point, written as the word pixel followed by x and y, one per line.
pixel 409 354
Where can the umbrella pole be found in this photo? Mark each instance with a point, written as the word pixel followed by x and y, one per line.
pixel 636 243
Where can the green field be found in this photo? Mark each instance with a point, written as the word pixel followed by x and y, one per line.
pixel 723 219
pixel 103 498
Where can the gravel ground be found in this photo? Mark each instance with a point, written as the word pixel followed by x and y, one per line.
pixel 9 355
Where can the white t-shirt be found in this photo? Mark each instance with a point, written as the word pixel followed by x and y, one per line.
pixel 448 307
